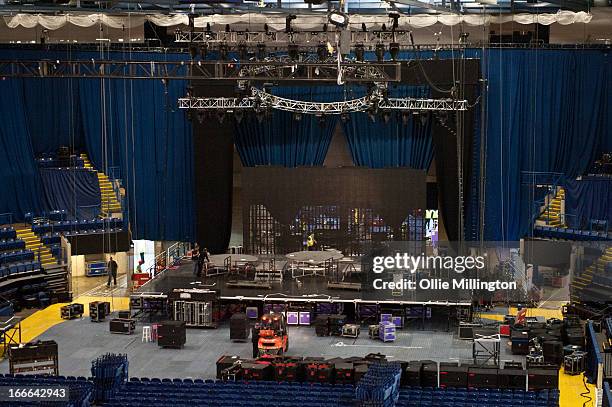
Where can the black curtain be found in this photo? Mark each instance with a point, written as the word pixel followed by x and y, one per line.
pixel 213 158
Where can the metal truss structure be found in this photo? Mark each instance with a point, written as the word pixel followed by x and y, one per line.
pixel 302 38
pixel 269 70
pixel 262 100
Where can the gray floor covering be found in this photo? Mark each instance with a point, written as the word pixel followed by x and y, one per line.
pixel 81 341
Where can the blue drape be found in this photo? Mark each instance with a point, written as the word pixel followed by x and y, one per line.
pixel 587 199
pixel 546 112
pixel 150 140
pixel 75 190
pixel 379 144
pixel 282 140
pixel 21 188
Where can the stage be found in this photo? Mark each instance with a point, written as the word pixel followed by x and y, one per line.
pixel 306 289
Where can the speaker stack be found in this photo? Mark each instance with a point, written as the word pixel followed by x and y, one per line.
pixel 541 379
pixel 171 334
pixel 411 374
pixel 512 378
pixel 452 375
pixel 239 327
pixel 482 378
pixel 553 352
pixel 321 324
pixel 429 374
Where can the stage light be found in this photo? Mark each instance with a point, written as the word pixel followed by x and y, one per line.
pixel 380 52
pixel 203 50
pixel 189 91
pixel 200 116
pixel 443 117
pixel 405 118
pixel 359 52
pixel 345 117
pixel 223 51
pixel 191 18
pixel 338 18
pixel 220 116
pixel 424 118
pixel 324 27
pixel 394 49
pixel 386 116
pixel 364 28
pixel 227 28
pixel 260 115
pixel 321 118
pixel 207 27
pixel 384 27
pixel 238 115
pixel 193 52
pixel 261 51
pixel 322 53
pixel 288 20
pixel 372 115
pixel 293 51
pixel 394 15
pixel 243 52
pixel 266 28
pixel 297 117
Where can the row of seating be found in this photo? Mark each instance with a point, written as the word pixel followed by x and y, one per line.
pixel 56 216
pixel 477 397
pixel 51 238
pixel 16 256
pixel 551 232
pixel 78 225
pixel 16 269
pixel 12 244
pixel 8 233
pixel 79 389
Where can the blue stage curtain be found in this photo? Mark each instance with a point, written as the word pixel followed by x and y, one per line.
pixel 149 138
pixel 21 187
pixel 282 140
pixel 546 112
pixel 587 199
pixel 74 189
pixel 379 144
pixel 52 110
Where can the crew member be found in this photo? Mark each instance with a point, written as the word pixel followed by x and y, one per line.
pixel 195 257
pixel 255 340
pixel 112 271
pixel 310 242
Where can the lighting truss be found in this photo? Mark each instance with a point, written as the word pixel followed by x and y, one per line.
pixel 263 100
pixel 269 70
pixel 281 38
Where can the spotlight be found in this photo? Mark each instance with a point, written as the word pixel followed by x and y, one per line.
pixel 220 116
pixel 297 117
pixel 227 28
pixel 394 49
pixel 288 20
pixel 266 28
pixel 238 115
pixel 386 116
pixel 380 51
pixel 405 118
pixel 325 27
pixel 338 18
pixel 191 18
pixel 322 53
pixel 321 120
pixel 371 115
pixel 207 27
pixel 443 116
pixel 345 117
pixel 261 115
pixel 463 37
pixel 424 118
pixel 384 27
pixel 261 51
pixel 394 15
pixel 359 52
pixel 293 51
pixel 193 52
pixel 223 51
pixel 243 52
pixel 200 116
pixel 203 50
pixel 364 28
pixel 189 91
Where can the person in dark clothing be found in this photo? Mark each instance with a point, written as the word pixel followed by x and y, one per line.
pixel 255 340
pixel 200 264
pixel 112 272
pixel 196 256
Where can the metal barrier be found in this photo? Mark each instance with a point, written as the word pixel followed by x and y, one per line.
pixel 169 257
pixel 594 363
pixel 607 395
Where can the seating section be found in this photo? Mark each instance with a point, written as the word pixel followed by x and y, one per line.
pixel 8 233
pixel 438 397
pixel 15 270
pixel 56 216
pixel 53 162
pixel 203 393
pixel 16 256
pixel 79 389
pixel 72 227
pixel 12 244
pixel 550 232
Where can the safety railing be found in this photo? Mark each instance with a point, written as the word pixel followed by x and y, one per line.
pixel 167 258
pixel 595 362
pixel 549 180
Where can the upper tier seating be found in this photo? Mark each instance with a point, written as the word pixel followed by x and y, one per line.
pixel 12 244
pixel 18 256
pixel 15 269
pixel 56 216
pixel 78 226
pixel 8 233
pixel 551 232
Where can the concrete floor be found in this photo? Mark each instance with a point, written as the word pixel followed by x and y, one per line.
pixel 81 341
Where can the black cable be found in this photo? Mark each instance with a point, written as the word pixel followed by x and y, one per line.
pixel 429 81
pixel 586 394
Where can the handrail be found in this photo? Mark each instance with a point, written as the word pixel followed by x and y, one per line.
pixel 162 261
pixel 549 179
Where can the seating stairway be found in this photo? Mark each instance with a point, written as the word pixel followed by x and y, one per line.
pixel 34 243
pixel 552 215
pixel 109 201
pixel 589 283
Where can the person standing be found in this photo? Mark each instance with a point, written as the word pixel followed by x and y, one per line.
pixel 197 265
pixel 255 340
pixel 112 271
pixel 310 242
